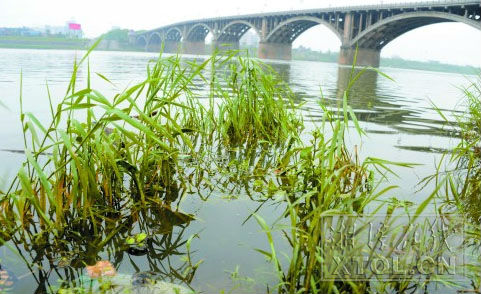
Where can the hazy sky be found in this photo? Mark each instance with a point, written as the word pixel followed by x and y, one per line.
pixel 453 43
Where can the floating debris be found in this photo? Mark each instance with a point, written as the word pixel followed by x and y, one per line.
pixel 102 268
pixel 21 151
pixel 6 279
pixel 139 283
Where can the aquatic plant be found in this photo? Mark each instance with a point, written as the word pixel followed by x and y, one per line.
pixel 105 167
pixel 325 188
pixel 108 175
pixel 101 166
pixel 468 152
pixel 461 176
pixel 133 145
pixel 314 181
pixel 256 106
pixel 462 164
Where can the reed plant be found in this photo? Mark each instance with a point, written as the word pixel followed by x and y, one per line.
pixel 322 181
pixel 462 165
pixel 99 151
pixel 101 169
pixel 461 176
pixel 468 152
pixel 256 105
pixel 125 147
pixel 104 167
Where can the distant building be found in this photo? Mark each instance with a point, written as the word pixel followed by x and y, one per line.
pixel 74 30
pixel 70 30
pixel 55 30
pixel 24 31
pixel 132 37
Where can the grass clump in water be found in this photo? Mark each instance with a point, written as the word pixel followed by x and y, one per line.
pixel 331 197
pixel 468 152
pixel 106 169
pixel 463 171
pixel 460 181
pixel 256 105
pixel 114 169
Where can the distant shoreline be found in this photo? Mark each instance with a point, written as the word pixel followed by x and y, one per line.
pixel 19 42
pixel 302 54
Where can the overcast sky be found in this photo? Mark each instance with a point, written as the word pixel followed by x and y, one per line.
pixel 449 42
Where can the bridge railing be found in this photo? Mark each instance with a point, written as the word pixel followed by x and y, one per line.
pixel 405 4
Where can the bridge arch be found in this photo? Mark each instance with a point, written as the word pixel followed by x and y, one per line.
pixel 234 30
pixel 154 42
pixel 288 30
pixel 173 34
pixel 198 32
pixel 141 41
pixel 381 33
pixel 154 38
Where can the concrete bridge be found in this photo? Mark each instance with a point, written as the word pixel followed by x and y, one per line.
pixel 369 28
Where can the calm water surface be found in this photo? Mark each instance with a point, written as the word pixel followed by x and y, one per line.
pixel 397 115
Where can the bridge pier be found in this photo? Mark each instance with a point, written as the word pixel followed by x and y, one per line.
pixel 365 56
pixel 193 47
pixel 172 47
pixel 153 47
pixel 281 51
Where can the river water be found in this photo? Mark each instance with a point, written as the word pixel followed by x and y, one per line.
pixel 397 115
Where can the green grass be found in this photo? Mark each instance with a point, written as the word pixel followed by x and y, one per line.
pixel 43 39
pixel 469 151
pixel 108 169
pixel 463 163
pixel 42 42
pixel 256 106
pixel 104 163
pixel 460 174
pixel 322 180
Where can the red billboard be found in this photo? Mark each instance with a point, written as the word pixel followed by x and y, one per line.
pixel 74 26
